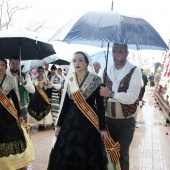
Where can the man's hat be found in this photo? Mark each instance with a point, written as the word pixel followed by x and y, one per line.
pixel 53 67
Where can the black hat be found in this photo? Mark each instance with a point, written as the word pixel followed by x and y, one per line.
pixel 53 67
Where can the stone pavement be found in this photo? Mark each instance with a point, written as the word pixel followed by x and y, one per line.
pixel 150 148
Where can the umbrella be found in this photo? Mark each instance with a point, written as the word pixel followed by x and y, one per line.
pixel 25 44
pixel 34 64
pixel 101 58
pixel 61 62
pixel 103 28
pixel 100 28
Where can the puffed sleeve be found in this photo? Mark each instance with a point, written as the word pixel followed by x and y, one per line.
pixel 29 85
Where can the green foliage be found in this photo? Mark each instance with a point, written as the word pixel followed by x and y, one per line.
pixel 147 70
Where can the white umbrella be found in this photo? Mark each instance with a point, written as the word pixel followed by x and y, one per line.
pixel 101 58
pixel 34 64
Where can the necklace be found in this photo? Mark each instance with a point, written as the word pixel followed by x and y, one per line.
pixel 40 79
pixel 80 79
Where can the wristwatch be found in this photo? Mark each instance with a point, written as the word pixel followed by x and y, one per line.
pixel 112 94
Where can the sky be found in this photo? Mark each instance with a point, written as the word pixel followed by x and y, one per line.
pixel 57 12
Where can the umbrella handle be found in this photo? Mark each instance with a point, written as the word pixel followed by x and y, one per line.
pixel 104 82
pixel 20 60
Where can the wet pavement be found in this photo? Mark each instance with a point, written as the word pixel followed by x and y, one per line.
pixel 150 148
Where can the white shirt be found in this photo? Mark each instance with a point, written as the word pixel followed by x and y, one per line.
pixel 100 73
pixel 59 85
pixel 46 72
pixel 52 78
pixel 29 85
pixel 116 76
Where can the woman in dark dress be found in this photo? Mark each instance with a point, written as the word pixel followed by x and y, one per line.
pixel 39 106
pixel 14 142
pixel 79 145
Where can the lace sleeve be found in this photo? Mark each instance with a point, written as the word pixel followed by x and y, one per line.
pixel 15 101
pixel 63 110
pixel 100 109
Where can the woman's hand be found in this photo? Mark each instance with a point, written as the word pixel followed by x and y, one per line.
pixel 103 134
pixel 57 131
pixel 21 119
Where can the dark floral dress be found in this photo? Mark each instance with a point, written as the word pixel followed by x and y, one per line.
pixel 12 140
pixel 79 145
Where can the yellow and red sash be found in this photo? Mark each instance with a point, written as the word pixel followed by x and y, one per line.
pixel 11 109
pixel 8 105
pixel 42 93
pixel 112 147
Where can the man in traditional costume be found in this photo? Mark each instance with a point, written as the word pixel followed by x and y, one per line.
pixel 23 83
pixel 57 82
pixel 123 84
pixel 46 70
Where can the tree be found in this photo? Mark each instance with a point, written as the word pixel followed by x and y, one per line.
pixel 140 61
pixel 8 9
pixel 35 26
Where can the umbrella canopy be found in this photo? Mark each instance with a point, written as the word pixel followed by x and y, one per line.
pixel 98 28
pixel 25 44
pixel 61 62
pixel 101 58
pixel 34 64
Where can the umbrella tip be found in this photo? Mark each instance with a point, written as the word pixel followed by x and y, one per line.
pixel 112 6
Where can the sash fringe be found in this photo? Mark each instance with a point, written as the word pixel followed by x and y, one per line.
pixel 43 94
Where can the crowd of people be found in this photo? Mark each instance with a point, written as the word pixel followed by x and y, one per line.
pixel 82 110
pixel 25 99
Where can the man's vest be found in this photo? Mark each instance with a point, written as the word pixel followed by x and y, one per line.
pixel 127 109
pixel 23 93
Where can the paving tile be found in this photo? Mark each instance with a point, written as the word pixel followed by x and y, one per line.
pixel 149 150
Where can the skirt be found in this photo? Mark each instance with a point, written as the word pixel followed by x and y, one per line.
pixel 18 161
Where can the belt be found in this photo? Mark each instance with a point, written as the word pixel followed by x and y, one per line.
pixel 121 117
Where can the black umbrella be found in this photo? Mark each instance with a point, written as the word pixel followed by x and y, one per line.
pixel 61 62
pixel 98 28
pixel 103 28
pixel 25 44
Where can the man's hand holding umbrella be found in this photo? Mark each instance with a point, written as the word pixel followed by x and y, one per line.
pixel 22 80
pixel 105 92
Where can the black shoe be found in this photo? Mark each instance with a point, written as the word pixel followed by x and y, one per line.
pixel 41 127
